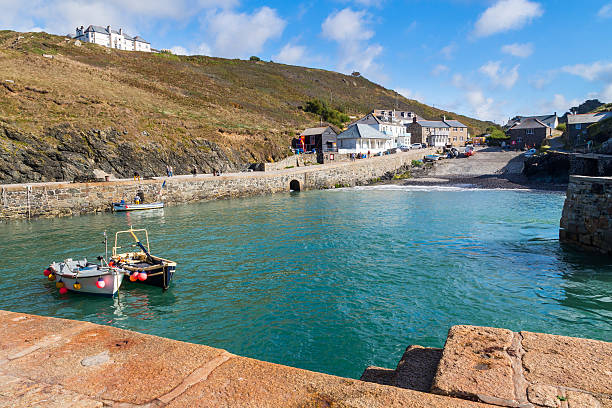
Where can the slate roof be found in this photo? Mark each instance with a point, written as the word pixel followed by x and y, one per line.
pixel 316 131
pixel 588 117
pixel 103 30
pixel 96 29
pixel 362 131
pixel 541 118
pixel 529 123
pixel 432 123
pixel 455 123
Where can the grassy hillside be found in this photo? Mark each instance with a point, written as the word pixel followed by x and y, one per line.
pixel 161 108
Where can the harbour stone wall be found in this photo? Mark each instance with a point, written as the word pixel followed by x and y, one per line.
pixel 63 199
pixel 587 214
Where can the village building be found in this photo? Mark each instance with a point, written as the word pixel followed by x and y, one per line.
pixel 552 121
pixel 108 37
pixel 577 126
pixel 363 138
pixel 431 132
pixel 319 139
pixel 529 132
pixel 396 130
pixel 458 132
pixel 401 117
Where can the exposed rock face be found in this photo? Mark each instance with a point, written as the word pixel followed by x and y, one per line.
pixel 64 153
pixel 551 168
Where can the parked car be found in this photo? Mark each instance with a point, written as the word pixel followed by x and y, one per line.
pixel 530 152
pixel 404 148
pixel 416 146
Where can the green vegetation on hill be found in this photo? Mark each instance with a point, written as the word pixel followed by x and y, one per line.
pixel 327 114
pixel 230 112
pixel 607 107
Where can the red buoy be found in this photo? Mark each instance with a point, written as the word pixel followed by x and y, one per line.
pixel 63 291
pixel 46 272
pixel 134 277
pixel 143 276
pixel 100 283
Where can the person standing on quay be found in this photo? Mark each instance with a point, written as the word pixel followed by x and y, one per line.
pixel 195 170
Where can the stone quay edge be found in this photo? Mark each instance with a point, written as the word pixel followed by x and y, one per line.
pixel 53 362
pixel 54 199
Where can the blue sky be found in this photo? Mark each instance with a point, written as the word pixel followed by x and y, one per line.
pixel 491 59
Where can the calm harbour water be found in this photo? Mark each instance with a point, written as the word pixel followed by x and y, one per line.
pixel 331 281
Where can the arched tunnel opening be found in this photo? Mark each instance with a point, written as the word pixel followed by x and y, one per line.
pixel 294 185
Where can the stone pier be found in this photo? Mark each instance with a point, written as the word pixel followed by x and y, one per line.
pixel 49 362
pixel 587 214
pixel 61 199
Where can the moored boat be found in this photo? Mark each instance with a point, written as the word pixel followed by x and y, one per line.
pixel 123 206
pixel 85 277
pixel 141 265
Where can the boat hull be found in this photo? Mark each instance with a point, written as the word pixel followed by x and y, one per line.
pixel 157 275
pixel 88 278
pixel 136 207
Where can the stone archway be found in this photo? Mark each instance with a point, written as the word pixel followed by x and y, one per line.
pixel 294 185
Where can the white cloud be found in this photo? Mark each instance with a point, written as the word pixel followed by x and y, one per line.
pixel 202 49
pixel 347 25
pixel 500 76
pixel 242 34
pixel 349 29
pixel 606 94
pixel 518 50
pixel 605 11
pixel 291 54
pixel 62 16
pixel 447 51
pixel 439 69
pixel 407 93
pixel 595 71
pixel 507 15
pixel 178 50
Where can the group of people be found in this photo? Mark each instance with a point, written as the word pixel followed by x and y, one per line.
pixel 359 156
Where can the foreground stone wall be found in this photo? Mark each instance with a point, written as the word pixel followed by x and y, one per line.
pixel 61 199
pixel 587 214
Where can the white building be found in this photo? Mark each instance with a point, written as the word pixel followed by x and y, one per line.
pixel 402 117
pixel 111 38
pixel 363 138
pixel 395 129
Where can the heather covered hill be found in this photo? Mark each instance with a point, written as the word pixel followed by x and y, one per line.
pixel 91 107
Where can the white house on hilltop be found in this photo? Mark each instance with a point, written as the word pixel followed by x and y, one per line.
pixel 111 38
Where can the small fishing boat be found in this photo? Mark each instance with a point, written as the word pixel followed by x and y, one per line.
pixel 123 206
pixel 85 277
pixel 140 264
pixel 431 157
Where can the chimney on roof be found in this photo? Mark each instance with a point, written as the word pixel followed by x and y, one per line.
pixel 108 28
pixel 414 119
pixel 555 113
pixel 121 31
pixel 444 118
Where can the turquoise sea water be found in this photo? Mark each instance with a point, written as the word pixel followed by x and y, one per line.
pixel 331 281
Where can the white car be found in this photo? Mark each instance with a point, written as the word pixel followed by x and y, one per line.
pixel 416 146
pixel 530 152
pixel 404 148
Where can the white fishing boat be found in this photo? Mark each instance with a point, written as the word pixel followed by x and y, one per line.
pixel 85 277
pixel 123 206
